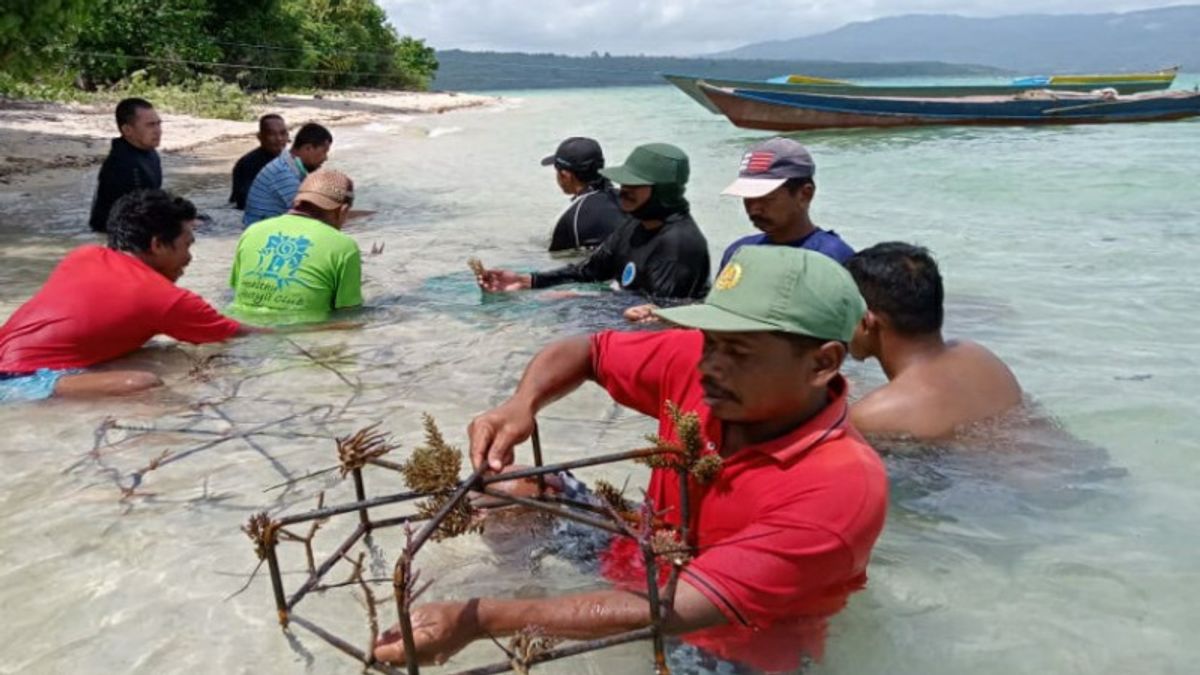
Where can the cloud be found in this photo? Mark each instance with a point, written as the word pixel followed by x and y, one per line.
pixel 675 27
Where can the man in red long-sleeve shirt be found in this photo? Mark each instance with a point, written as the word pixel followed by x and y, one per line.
pixel 101 303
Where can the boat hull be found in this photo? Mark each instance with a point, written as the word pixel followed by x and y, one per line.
pixel 691 86
pixel 801 112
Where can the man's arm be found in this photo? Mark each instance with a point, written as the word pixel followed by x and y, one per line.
pixel 598 266
pixel 555 372
pixel 442 629
pixel 110 185
pixel 349 281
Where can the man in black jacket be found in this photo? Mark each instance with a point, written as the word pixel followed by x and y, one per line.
pixel 661 253
pixel 272 140
pixel 595 210
pixel 133 163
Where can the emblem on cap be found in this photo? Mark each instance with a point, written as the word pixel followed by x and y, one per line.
pixel 757 161
pixel 729 277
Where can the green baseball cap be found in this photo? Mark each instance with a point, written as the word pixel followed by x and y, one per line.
pixel 651 164
pixel 778 288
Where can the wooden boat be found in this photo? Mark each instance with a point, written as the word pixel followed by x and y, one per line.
pixel 776 111
pixel 690 85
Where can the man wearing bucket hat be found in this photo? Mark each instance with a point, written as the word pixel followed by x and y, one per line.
pixel 781 534
pixel 300 266
pixel 659 253
pixel 595 210
pixel 776 185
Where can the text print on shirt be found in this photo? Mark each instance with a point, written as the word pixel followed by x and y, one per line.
pixel 280 259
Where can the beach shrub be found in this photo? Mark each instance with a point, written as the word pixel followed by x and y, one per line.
pixel 202 96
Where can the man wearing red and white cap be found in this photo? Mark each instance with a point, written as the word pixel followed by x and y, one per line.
pixel 776 185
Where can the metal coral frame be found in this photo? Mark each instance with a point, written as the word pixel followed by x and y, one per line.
pixel 268 533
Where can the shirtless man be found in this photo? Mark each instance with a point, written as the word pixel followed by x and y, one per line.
pixel 934 386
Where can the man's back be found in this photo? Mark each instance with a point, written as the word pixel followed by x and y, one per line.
pixel 273 189
pixel 588 221
pixel 964 384
pixel 99 304
pixel 295 267
pixel 244 173
pixel 124 170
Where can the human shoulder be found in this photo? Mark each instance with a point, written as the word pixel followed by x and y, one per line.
pixel 896 409
pixel 642 369
pixel 645 348
pixel 831 244
pixel 87 252
pixel 683 228
pixel 748 240
pixel 250 158
pixel 979 368
pixel 275 169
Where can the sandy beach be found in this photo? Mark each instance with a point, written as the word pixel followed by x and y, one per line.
pixel 39 138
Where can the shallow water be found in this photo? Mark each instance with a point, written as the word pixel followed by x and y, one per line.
pixel 1070 251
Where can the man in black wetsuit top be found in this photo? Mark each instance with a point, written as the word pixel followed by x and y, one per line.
pixel 661 253
pixel 595 210
pixel 133 162
pixel 272 139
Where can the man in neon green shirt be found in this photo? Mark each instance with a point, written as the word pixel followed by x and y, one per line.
pixel 299 267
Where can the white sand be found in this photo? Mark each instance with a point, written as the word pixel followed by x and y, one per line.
pixel 38 137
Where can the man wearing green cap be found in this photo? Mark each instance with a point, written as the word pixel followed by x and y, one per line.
pixel 781 534
pixel 661 253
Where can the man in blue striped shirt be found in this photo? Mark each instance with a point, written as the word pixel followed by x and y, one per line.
pixel 276 185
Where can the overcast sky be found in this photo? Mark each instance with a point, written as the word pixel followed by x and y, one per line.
pixel 676 27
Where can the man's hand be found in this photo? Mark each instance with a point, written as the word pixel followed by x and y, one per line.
pixel 503 281
pixel 641 314
pixel 440 630
pixel 494 433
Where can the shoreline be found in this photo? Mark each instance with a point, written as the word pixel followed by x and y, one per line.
pixel 41 139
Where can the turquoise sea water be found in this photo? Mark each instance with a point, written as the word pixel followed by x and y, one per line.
pixel 1070 251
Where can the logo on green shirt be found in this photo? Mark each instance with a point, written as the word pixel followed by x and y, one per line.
pixel 280 259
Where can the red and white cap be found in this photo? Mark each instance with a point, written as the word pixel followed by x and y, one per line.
pixel 769 165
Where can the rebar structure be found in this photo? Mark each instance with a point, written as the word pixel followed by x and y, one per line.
pixel 446 510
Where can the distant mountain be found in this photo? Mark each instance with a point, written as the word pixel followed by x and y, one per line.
pixel 476 71
pixel 1144 40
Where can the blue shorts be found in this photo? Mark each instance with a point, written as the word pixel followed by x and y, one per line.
pixel 31 386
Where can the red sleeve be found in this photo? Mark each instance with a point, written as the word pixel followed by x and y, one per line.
pixel 636 368
pixel 191 319
pixel 771 569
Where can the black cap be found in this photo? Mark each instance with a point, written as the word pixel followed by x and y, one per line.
pixel 577 154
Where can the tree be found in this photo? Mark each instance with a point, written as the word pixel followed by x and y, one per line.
pixel 30 29
pixel 255 43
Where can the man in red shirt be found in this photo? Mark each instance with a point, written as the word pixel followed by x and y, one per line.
pixel 102 303
pixel 784 532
